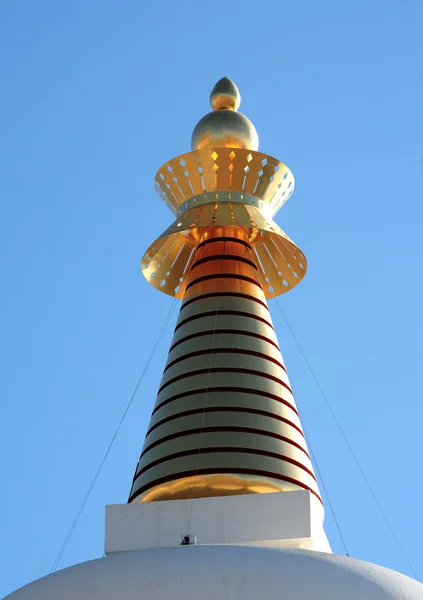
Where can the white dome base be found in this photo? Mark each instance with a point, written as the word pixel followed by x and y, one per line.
pixel 223 573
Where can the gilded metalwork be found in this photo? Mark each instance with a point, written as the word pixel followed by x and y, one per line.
pixel 281 263
pixel 224 181
pixel 225 95
pixel 224 126
pixel 201 486
pixel 230 187
pixel 224 170
pixel 225 419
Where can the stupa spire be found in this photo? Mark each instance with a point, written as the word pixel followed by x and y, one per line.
pixel 225 420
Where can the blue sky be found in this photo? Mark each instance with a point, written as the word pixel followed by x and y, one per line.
pixel 95 97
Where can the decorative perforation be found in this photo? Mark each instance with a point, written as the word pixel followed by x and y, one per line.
pixel 237 169
pixel 281 263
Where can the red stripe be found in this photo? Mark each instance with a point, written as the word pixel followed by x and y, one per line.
pixel 223 332
pixel 225 450
pixel 212 409
pixel 218 294
pixel 224 239
pixel 213 429
pixel 219 389
pixel 223 257
pixel 223 312
pixel 209 351
pixel 223 276
pixel 224 370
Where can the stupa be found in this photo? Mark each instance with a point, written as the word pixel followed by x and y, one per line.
pixel 224 502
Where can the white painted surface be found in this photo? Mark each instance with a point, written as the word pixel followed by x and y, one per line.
pixel 223 573
pixel 277 519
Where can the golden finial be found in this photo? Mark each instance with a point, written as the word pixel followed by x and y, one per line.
pixel 224 127
pixel 225 95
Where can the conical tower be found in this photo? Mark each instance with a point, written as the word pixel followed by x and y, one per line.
pixel 225 420
pixel 225 429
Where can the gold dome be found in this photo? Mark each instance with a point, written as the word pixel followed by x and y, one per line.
pixel 224 127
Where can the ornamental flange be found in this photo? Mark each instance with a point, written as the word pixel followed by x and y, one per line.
pixel 281 264
pixel 224 169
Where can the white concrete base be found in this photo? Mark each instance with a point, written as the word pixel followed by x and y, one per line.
pixel 283 520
